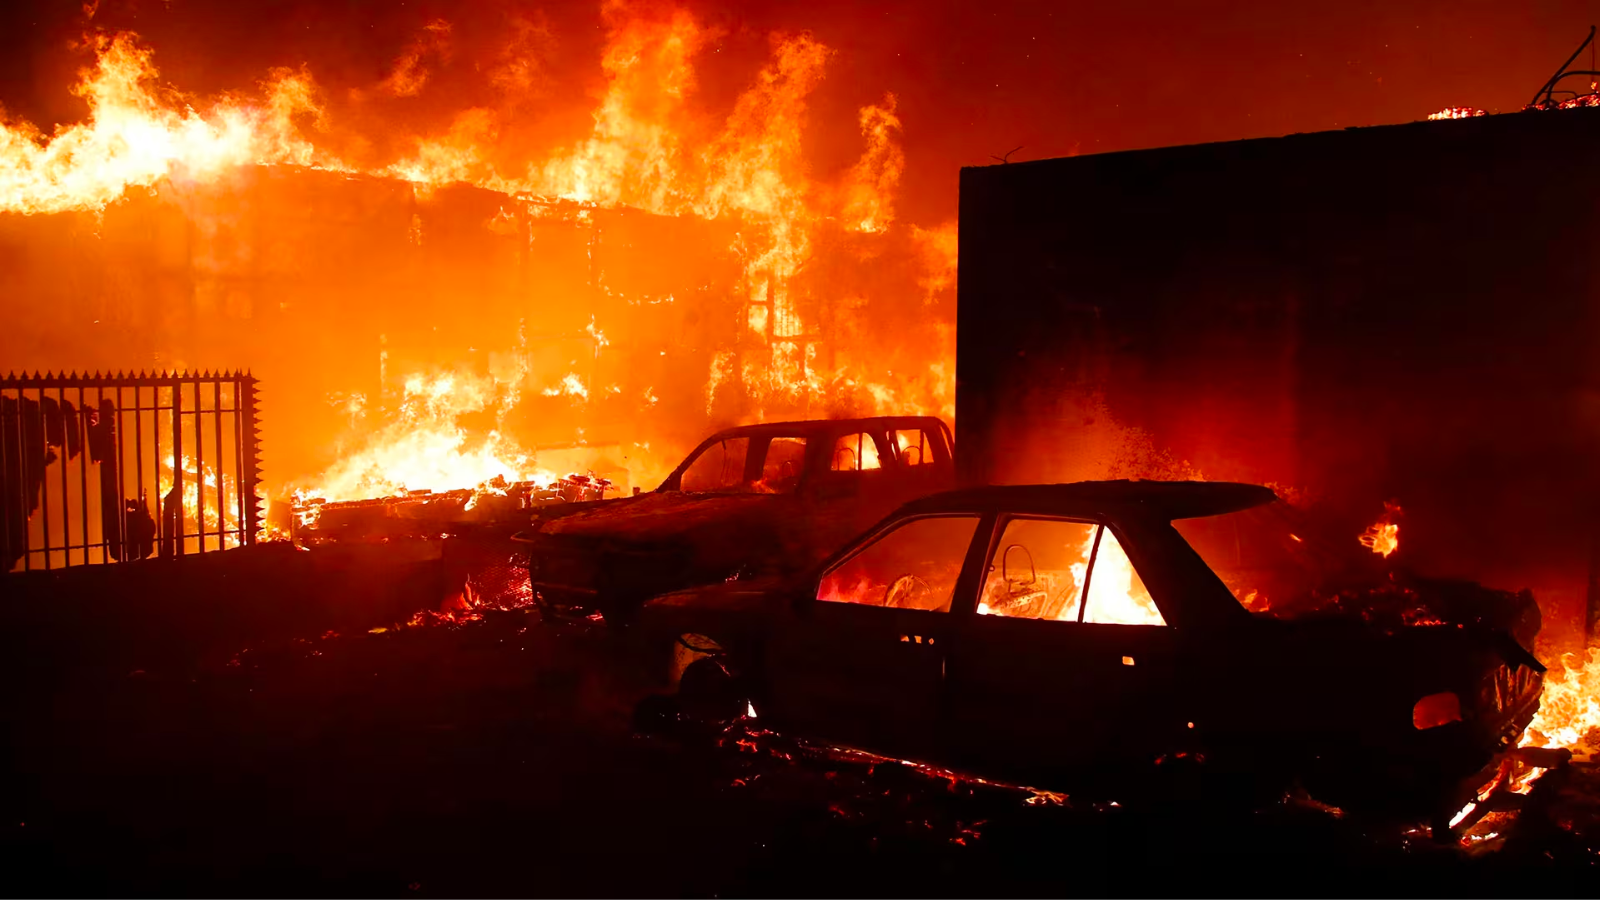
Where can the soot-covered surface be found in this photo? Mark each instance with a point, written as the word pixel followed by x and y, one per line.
pixel 494 758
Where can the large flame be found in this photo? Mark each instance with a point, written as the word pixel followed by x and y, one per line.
pixel 419 445
pixel 1383 537
pixel 1569 709
pixel 647 149
pixel 134 137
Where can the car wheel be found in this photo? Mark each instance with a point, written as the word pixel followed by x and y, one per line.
pixel 709 693
pixel 657 714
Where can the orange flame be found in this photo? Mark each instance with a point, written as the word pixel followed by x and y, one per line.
pixel 420 445
pixel 1383 537
pixel 646 150
pixel 133 138
pixel 1569 709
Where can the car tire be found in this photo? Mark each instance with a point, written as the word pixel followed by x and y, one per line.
pixel 658 715
pixel 709 694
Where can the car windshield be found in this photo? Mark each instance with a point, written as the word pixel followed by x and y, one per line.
pixel 1267 556
pixel 726 467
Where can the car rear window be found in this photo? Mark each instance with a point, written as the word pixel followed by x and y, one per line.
pixel 1263 558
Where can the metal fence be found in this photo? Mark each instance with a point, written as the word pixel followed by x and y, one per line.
pixel 101 469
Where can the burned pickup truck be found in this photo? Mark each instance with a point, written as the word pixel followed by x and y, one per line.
pixel 749 501
pixel 1078 637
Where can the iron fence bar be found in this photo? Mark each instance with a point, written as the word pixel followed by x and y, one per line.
pixel 138 449
pixel 252 458
pixel 83 471
pixel 66 496
pixel 163 547
pixel 44 489
pixel 5 513
pixel 216 415
pixel 239 449
pixel 199 468
pixel 177 465
pixel 119 475
pixel 22 495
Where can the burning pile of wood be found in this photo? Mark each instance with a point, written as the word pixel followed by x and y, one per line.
pixel 425 514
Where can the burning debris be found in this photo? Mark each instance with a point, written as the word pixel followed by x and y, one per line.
pixel 1383 538
pixel 425 514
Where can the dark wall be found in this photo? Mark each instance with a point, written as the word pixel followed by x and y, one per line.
pixel 1405 311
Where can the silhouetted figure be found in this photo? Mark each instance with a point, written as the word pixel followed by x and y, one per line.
pixel 141 540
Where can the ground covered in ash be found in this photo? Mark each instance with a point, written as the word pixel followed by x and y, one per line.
pixel 494 757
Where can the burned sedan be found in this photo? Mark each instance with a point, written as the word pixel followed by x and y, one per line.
pixel 1071 637
pixel 758 499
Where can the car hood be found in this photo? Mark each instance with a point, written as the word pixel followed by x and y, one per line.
pixel 660 516
pixel 729 596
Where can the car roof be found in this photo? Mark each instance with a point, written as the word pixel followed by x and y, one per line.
pixel 813 426
pixel 1165 500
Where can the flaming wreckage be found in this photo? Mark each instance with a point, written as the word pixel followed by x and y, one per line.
pixel 748 501
pixel 1075 636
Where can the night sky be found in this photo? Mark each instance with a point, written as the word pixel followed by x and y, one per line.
pixel 972 79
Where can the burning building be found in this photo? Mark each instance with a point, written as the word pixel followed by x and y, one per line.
pixel 461 310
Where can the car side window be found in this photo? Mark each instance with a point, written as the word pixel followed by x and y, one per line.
pixel 913 566
pixel 718 468
pixel 855 453
pixel 1041 566
pixel 912 447
pixel 785 463
pixel 1037 570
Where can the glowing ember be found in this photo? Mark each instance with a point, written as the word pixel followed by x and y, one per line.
pixel 1383 538
pixel 1457 112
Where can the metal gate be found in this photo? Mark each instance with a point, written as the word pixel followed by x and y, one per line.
pixel 100 469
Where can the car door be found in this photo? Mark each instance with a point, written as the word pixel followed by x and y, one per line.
pixel 1041 681
pixel 860 660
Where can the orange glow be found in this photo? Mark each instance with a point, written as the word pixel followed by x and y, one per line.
pixel 1435 710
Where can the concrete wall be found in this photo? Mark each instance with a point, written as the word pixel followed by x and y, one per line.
pixel 1405 312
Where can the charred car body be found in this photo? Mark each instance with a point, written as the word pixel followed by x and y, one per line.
pixel 753 500
pixel 1072 636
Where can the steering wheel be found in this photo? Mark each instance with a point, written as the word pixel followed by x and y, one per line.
pixel 907 592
